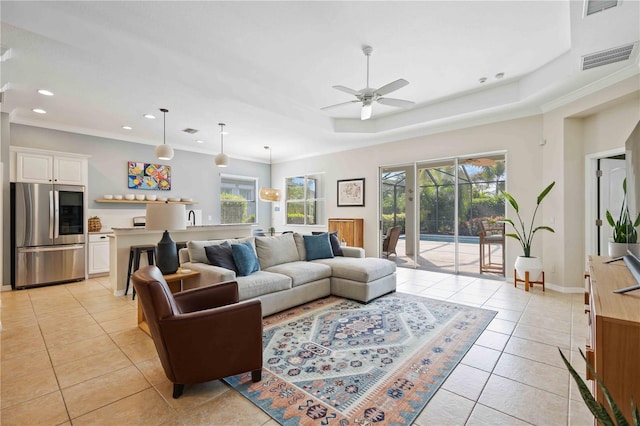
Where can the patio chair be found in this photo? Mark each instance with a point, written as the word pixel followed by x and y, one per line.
pixel 390 241
pixel 491 233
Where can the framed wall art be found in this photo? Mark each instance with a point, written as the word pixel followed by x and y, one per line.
pixel 149 176
pixel 351 193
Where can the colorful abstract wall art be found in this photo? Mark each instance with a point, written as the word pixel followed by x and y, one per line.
pixel 149 176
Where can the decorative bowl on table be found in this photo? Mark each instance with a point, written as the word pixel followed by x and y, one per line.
pixel 151 197
pixel 186 199
pixel 118 197
pixel 108 197
pixel 140 197
pixel 162 198
pixel 129 197
pixel 174 199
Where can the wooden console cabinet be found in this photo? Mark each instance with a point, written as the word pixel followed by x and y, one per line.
pixel 613 346
pixel 351 230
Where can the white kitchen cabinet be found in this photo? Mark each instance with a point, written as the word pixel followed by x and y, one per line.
pixel 98 253
pixel 35 167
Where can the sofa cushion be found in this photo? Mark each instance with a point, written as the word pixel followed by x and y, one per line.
pixel 245 258
pixel 302 252
pixel 276 250
pixel 221 255
pixel 318 246
pixel 335 242
pixel 197 252
pixel 261 282
pixel 359 269
pixel 302 272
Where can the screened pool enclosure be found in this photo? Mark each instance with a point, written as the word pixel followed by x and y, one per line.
pixel 441 208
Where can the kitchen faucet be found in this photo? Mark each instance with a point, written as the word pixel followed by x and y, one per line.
pixel 193 222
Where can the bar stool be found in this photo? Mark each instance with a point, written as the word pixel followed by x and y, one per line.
pixel 134 262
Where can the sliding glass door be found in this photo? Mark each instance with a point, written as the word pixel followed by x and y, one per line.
pixel 445 209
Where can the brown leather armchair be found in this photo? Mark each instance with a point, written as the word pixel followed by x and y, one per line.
pixel 201 334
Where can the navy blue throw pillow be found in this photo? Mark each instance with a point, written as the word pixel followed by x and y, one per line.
pixel 221 255
pixel 335 242
pixel 318 246
pixel 245 258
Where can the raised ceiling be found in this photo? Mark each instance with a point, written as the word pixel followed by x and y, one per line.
pixel 266 68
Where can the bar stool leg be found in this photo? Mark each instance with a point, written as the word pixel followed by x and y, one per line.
pixel 136 266
pixel 129 272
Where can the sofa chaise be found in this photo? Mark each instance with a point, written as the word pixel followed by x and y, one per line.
pixel 291 269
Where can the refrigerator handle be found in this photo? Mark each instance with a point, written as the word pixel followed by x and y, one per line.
pixel 51 214
pixel 56 213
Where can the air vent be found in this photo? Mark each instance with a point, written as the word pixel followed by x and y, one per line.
pixel 595 6
pixel 190 131
pixel 617 54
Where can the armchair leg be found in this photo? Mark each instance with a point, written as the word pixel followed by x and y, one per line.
pixel 177 390
pixel 256 376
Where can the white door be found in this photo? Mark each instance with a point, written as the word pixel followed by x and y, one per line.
pixel 611 196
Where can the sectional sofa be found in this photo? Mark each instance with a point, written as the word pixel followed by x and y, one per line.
pixel 291 269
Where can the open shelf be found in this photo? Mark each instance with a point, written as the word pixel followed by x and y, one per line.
pixel 101 200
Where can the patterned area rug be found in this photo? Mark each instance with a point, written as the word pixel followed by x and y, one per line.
pixel 340 362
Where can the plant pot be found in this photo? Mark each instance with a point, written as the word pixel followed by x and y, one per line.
pixel 531 264
pixel 620 249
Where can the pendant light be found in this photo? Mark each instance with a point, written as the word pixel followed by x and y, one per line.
pixel 164 151
pixel 269 194
pixel 222 159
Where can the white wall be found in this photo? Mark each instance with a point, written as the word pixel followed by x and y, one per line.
pixel 594 123
pixel 519 138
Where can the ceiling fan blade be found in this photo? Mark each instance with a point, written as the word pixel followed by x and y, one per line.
pixel 340 104
pixel 365 114
pixel 347 90
pixel 400 103
pixel 394 85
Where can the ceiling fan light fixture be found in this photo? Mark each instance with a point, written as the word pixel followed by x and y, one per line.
pixel 368 95
pixel 366 111
pixel 164 151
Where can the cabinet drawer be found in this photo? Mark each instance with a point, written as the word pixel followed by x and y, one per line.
pixel 98 238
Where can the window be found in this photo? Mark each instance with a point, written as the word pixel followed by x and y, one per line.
pixel 303 200
pixel 238 199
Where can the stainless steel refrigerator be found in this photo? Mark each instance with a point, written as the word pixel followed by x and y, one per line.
pixel 48 235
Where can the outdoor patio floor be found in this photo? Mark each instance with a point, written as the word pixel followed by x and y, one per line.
pixel 439 256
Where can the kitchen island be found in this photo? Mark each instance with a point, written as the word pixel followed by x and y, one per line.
pixel 121 240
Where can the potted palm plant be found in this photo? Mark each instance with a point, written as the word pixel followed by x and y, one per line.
pixel 524 235
pixel 625 235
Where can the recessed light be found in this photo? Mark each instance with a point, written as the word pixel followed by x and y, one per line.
pixel 482 79
pixel 499 75
pixel 39 111
pixel 127 127
pixel 149 116
pixel 45 92
pixel 200 141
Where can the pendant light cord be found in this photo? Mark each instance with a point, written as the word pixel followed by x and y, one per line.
pixel 164 125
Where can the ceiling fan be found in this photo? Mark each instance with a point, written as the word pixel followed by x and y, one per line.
pixel 369 95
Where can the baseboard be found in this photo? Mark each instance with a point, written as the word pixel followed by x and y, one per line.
pixel 6 288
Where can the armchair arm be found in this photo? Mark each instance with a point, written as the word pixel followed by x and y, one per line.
pixel 211 296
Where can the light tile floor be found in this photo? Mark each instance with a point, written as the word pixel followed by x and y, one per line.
pixel 72 354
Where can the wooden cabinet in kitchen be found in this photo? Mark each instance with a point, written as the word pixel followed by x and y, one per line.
pixel 36 166
pixel 98 254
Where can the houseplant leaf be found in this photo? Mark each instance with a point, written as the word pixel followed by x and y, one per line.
pixel 545 192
